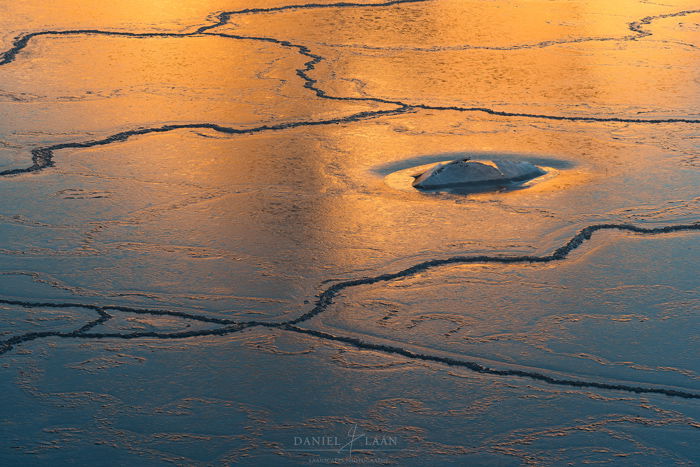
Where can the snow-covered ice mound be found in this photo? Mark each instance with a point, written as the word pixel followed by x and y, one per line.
pixel 465 172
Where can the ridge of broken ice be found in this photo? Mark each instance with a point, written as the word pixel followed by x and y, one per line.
pixel 464 172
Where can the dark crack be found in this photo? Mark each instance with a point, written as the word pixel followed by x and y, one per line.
pixel 43 157
pixel 224 17
pixel 325 300
pixel 568 118
pixel 326 297
pixel 636 27
pixel 23 41
pixel 311 84
pixel 476 367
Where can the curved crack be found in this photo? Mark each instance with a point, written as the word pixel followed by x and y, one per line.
pixel 224 17
pixel 454 48
pixel 325 300
pixel 326 297
pixel 43 157
pixel 478 368
pixel 22 41
pixel 635 27
pixel 567 118
pixel 638 26
pixel 310 83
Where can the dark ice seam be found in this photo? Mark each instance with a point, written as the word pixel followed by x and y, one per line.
pixel 43 157
pixel 325 300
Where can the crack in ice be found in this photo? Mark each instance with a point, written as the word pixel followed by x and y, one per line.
pixel 43 158
pixel 325 300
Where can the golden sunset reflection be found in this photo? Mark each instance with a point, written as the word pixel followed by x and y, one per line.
pixel 322 182
pixel 117 80
pixel 212 246
pixel 142 15
pixel 455 23
pixel 542 63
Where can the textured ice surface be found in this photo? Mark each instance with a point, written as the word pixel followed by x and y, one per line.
pixel 201 259
pixel 465 172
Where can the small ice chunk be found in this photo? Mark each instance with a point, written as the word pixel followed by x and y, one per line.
pixel 465 172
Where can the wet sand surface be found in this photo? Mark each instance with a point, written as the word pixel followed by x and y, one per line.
pixel 212 254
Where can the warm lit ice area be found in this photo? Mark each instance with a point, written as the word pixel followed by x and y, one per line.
pixel 212 252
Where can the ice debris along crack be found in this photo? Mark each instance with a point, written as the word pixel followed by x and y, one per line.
pixel 325 300
pixel 638 26
pixel 43 157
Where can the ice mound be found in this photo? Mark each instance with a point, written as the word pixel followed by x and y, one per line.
pixel 465 172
